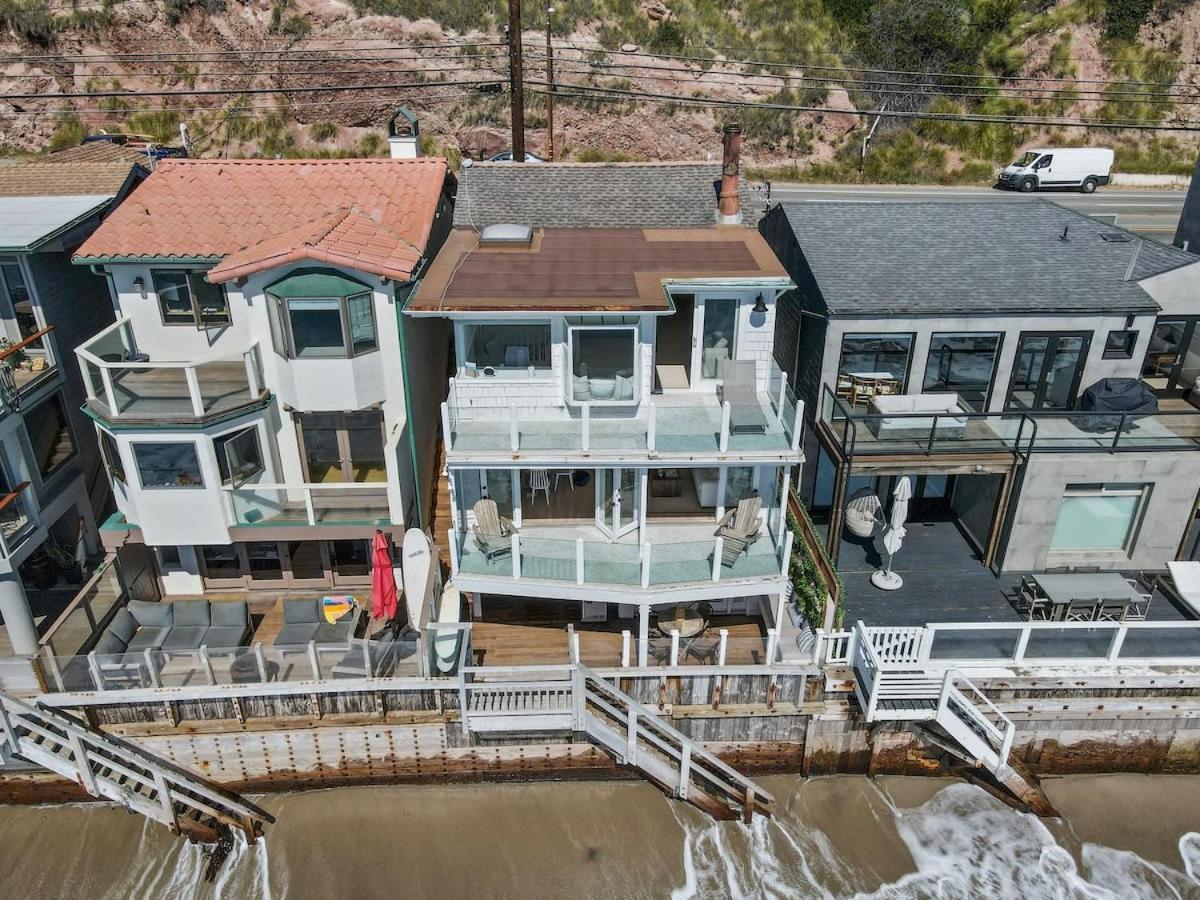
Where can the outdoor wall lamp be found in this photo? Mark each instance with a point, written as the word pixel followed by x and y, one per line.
pixel 139 285
pixel 760 305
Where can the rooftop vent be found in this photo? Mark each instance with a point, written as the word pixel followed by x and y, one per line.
pixel 510 235
pixel 1116 237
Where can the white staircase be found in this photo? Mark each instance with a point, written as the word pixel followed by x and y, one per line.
pixel 574 698
pixel 116 770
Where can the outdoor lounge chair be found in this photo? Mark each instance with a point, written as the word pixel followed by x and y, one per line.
pixel 1186 576
pixel 739 529
pixel 493 532
pixel 738 390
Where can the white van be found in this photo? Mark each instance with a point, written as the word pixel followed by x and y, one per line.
pixel 1085 168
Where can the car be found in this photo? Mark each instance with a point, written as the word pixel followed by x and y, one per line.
pixel 1082 168
pixel 507 156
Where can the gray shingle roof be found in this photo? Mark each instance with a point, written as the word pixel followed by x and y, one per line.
pixel 593 195
pixel 971 257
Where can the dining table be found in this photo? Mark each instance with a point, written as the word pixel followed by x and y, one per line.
pixel 1063 589
pixel 684 618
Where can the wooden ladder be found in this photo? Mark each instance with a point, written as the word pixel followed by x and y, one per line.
pixel 117 770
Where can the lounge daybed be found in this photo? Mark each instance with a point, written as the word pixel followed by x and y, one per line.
pixel 738 389
pixel 304 622
pixel 180 626
pixel 910 416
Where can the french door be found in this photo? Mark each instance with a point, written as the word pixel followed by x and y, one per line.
pixel 718 337
pixel 1047 369
pixel 618 501
pixel 278 564
pixel 342 447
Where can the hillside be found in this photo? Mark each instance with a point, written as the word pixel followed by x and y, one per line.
pixel 1135 61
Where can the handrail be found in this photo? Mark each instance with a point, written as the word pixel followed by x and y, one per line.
pixel 12 495
pixel 645 714
pixel 311 486
pixel 83 350
pixel 24 342
pixel 78 599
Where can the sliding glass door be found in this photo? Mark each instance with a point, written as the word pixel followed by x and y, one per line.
pixel 963 364
pixel 343 447
pixel 618 501
pixel 1047 370
pixel 1172 364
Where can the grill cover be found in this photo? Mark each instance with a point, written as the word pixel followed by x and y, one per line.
pixel 1128 396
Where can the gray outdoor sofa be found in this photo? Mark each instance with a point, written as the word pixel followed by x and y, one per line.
pixel 304 621
pixel 175 627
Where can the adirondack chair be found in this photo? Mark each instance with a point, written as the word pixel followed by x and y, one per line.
pixel 493 532
pixel 739 529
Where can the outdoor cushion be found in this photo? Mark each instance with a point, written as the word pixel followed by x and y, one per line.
pixel 192 613
pixel 229 614
pixel 148 639
pixel 333 634
pixel 225 637
pixel 298 611
pixel 297 633
pixel 151 614
pixel 123 626
pixel 108 645
pixel 185 637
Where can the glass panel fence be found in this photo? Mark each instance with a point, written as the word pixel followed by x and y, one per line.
pixel 1164 642
pixel 151 391
pixel 223 385
pixel 549 560
pixel 678 563
pixel 612 563
pixel 1068 643
pixel 682 428
pixel 982 644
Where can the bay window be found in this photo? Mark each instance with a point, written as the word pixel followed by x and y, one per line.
pixel 602 364
pixel 323 327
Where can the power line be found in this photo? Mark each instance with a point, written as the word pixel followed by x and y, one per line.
pixel 299 51
pixel 209 92
pixel 598 93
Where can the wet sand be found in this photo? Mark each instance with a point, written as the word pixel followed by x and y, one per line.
pixel 1121 836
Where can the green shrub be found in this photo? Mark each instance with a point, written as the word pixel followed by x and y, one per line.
pixel 69 132
pixel 176 10
pixel 595 155
pixel 323 131
pixel 1123 19
pixel 162 125
pixel 370 144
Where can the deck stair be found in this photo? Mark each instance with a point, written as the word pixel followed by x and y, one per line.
pixel 116 770
pixel 575 698
pixel 892 684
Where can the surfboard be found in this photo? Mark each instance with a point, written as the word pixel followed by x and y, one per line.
pixel 417 571
pixel 445 640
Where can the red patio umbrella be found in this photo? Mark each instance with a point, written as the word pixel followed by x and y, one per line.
pixel 384 603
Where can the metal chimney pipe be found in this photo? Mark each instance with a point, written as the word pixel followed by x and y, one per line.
pixel 729 210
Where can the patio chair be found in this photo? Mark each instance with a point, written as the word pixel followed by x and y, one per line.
pixel 844 386
pixel 493 532
pixel 739 529
pixel 862 390
pixel 863 513
pixel 1138 609
pixel 539 480
pixel 1112 611
pixel 738 389
pixel 1030 602
pixel 703 649
pixel 1083 610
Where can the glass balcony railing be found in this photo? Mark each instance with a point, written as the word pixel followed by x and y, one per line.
pixel 123 383
pixel 351 503
pixel 17 518
pixel 26 363
pixel 653 564
pixel 863 432
pixel 754 415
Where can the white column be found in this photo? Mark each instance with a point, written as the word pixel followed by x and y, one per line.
pixel 193 383
pixel 643 487
pixel 18 617
pixel 726 411
pixel 516 496
pixel 643 633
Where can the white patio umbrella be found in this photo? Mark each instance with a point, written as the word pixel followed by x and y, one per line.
pixel 893 538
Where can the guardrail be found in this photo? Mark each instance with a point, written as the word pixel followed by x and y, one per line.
pixel 125 383
pixel 308 504
pixel 15 377
pixel 18 518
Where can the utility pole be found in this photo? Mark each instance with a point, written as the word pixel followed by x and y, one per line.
pixel 516 81
pixel 862 159
pixel 550 95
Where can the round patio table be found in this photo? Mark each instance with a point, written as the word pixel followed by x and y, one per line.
pixel 687 620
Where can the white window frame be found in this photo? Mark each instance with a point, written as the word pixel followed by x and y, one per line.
pixel 220 448
pixel 1116 489
pixel 569 375
pixel 468 369
pixel 137 466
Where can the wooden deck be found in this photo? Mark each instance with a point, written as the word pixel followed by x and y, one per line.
pixel 517 631
pixel 158 394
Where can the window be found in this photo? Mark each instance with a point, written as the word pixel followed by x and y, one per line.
pixel 20 304
pixel 343 446
pixel 964 364
pixel 323 327
pixel 717 336
pixel 1044 162
pixel 50 436
pixel 187 298
pixel 168 465
pixel 876 355
pixel 168 557
pixel 506 348
pixel 1098 516
pixel 112 457
pixel 603 365
pixel 1119 344
pixel 239 457
pixel 350 559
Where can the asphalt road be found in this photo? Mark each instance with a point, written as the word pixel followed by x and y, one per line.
pixel 1154 213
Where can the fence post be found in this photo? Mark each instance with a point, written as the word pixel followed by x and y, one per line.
pixel 651 428
pixel 718 549
pixel 783 379
pixel 52 665
pixel 721 647
pixel 251 374
pixel 726 413
pixel 314 660
pixel 193 384
pixel 798 425
pixel 206 664
pixel 685 770
pixel 455 562
pixel 625 642
pixel 94 669
pixel 514 431
pixel 585 424
pixel 462 702
pixel 772 645
pixel 579 560
pixel 578 699
pixel 516 555
pixel 674 646
pixel 447 435
pixel 1022 643
pixel 572 644
pixel 152 668
pixel 631 737
pixel 309 509
pixel 110 396
pixel 645 565
pixel 261 660
pixel 1118 640
pixel 789 537
pixel 83 765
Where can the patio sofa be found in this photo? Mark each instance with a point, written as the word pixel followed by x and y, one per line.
pixel 910 416
pixel 179 626
pixel 304 622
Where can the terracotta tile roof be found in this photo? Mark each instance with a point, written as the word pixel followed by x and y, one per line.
pixel 374 215
pixel 89 169
pixel 587 269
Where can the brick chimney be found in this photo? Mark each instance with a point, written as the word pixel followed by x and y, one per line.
pixel 729 209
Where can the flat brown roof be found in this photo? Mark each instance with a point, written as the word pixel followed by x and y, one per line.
pixel 586 269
